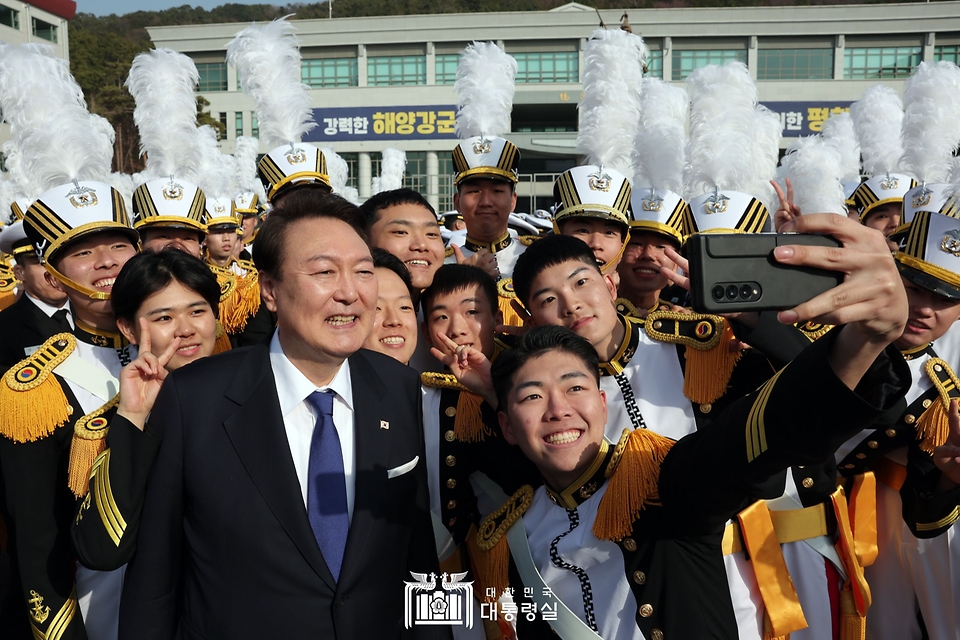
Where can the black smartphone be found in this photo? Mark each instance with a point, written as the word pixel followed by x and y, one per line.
pixel 737 272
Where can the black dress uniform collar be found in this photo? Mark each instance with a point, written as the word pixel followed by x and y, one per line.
pixel 98 337
pixel 628 347
pixel 587 484
pixel 497 245
pixel 918 352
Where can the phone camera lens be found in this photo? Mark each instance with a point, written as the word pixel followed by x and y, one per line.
pixel 746 291
pixel 718 292
pixel 732 292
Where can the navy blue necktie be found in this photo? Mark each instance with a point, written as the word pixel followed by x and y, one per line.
pixel 327 487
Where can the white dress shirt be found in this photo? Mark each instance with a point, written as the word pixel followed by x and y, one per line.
pixel 299 418
pixel 48 309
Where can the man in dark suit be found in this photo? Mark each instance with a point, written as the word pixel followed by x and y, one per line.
pixel 289 496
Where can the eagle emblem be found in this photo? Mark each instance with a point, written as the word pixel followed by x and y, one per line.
pixel 716 203
pixel 951 243
pixel 82 197
pixel 482 146
pixel 599 181
pixel 173 191
pixel 889 183
pixel 296 155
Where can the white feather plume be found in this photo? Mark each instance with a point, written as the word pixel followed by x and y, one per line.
pixel 838 131
pixel 393 164
pixel 76 146
pixel 721 138
pixel 877 118
pixel 163 83
pixel 124 184
pixel 245 157
pixel 659 149
pixel 485 88
pixel 610 108
pixel 27 72
pixel 767 132
pixel 26 187
pixel 931 121
pixel 217 171
pixel 267 59
pixel 8 194
pixel 814 167
pixel 337 169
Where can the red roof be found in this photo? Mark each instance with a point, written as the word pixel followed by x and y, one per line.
pixel 65 9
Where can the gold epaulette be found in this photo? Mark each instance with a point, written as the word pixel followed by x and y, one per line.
pixel 227 280
pixel 492 565
pixel 505 297
pixel 247 265
pixel 933 426
pixel 242 303
pixel 468 424
pixel 813 330
pixel 627 308
pixel 8 282
pixel 710 361
pixel 89 441
pixel 32 402
pixel 439 380
pixel 448 251
pixel 633 474
pixel 528 240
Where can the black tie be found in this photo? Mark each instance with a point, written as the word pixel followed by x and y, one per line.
pixel 60 320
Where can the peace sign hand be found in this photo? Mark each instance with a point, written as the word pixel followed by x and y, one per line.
pixel 140 381
pixel 469 365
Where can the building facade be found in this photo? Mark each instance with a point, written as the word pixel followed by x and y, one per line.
pixel 387 81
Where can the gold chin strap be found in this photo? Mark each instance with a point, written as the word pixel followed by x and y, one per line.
pixel 76 286
pixel 605 269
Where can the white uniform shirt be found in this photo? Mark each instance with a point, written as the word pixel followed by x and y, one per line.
pixel 299 418
pixel 506 258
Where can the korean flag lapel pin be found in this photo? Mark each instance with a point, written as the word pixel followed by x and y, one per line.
pixel 384 424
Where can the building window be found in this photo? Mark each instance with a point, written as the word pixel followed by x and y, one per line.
pixel 385 71
pixel 222 130
pixel 949 53
pixel 561 66
pixel 9 17
pixel 655 64
pixel 685 62
pixel 238 116
pixel 213 76
pixel 44 30
pixel 869 63
pixel 254 125
pixel 447 67
pixel 794 64
pixel 329 72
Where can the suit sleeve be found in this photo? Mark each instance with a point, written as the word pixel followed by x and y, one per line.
pixel 105 537
pixel 780 342
pixel 148 608
pixel 41 507
pixel 799 417
pixel 928 512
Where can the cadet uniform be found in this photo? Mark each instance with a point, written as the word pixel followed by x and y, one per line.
pixel 912 572
pixel 43 397
pixel 657 557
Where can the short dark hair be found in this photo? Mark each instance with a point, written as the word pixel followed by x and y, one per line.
pixel 151 271
pixel 545 253
pixel 383 259
pixel 535 343
pixel 302 204
pixel 454 277
pixel 385 199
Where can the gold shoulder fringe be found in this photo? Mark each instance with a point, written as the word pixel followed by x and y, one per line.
pixel 492 565
pixel 468 425
pixel 439 380
pixel 528 240
pixel 243 302
pixel 32 402
pixel 933 427
pixel 89 441
pixel 505 299
pixel 448 252
pixel 223 340
pixel 710 362
pixel 634 474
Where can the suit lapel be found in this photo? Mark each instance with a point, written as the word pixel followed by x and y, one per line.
pixel 259 437
pixel 371 450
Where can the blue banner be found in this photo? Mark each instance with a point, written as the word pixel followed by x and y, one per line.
pixel 805 118
pixel 343 124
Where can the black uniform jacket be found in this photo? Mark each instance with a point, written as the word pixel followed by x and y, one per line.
pixel 672 557
pixel 22 325
pixel 225 549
